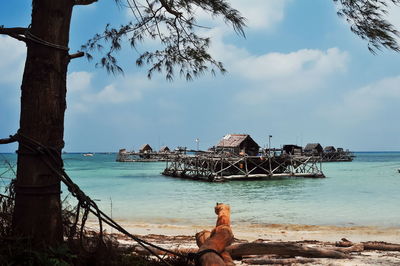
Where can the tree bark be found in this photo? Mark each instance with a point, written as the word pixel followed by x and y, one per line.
pixel 37 213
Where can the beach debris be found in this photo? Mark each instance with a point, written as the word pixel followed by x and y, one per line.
pixel 215 247
pixel 268 260
pixel 369 245
pixel 284 249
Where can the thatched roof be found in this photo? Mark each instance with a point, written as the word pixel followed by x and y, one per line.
pixel 234 140
pixel 313 146
pixel 146 147
pixel 329 149
pixel 164 149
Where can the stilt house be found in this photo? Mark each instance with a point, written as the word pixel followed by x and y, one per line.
pixel 292 149
pixel 146 148
pixel 239 144
pixel 165 149
pixel 329 149
pixel 313 149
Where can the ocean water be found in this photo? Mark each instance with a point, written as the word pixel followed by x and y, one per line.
pixel 365 192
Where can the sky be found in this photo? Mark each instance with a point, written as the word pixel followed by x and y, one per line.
pixel 300 75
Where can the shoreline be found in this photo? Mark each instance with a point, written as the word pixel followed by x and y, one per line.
pixel 273 232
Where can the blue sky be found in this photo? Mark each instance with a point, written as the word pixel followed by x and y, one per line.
pixel 299 75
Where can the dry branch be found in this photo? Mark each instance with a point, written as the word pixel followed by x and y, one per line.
pixel 9 31
pixel 263 261
pixel 354 248
pixel 76 55
pixel 84 2
pixel 16 33
pixel 283 249
pixel 7 141
pixel 370 245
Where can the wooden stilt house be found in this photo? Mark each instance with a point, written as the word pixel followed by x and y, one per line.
pixel 238 144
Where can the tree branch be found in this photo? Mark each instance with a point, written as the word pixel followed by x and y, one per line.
pixel 10 31
pixel 84 2
pixel 16 33
pixel 7 140
pixel 76 55
pixel 169 9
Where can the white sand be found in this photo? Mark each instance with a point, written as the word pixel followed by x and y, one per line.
pixel 282 232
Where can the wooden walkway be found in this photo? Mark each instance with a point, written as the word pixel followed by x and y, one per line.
pixel 212 167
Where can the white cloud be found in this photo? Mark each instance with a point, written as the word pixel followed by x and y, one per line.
pixel 12 54
pixel 282 74
pixel 79 81
pixel 113 95
pixel 394 15
pixel 261 14
pixel 366 103
pixel 84 96
pixel 302 64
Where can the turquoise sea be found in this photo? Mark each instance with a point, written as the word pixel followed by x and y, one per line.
pixel 363 192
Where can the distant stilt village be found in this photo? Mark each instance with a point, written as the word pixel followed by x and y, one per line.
pixel 239 157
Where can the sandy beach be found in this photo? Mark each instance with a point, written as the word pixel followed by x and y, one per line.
pixel 174 236
pixel 279 232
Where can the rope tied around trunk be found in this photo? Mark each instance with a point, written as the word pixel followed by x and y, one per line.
pixel 30 36
pixel 51 157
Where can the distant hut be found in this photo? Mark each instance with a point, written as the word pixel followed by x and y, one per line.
pixel 329 149
pixel 165 149
pixel 146 148
pixel 292 149
pixel 238 144
pixel 313 149
pixel 181 150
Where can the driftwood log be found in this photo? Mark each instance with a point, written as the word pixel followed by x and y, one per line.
pixel 370 245
pixel 266 260
pixel 215 247
pixel 218 239
pixel 283 249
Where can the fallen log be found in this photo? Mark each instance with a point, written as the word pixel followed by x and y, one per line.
pixel 283 249
pixel 354 248
pixel 344 243
pixel 263 261
pixel 371 245
pixel 211 249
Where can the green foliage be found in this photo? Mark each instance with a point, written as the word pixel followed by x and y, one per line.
pixel 173 24
pixel 367 20
pixel 16 251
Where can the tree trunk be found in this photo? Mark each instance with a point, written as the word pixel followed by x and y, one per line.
pixel 37 213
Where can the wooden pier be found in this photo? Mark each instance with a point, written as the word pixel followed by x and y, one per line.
pixel 144 157
pixel 213 167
